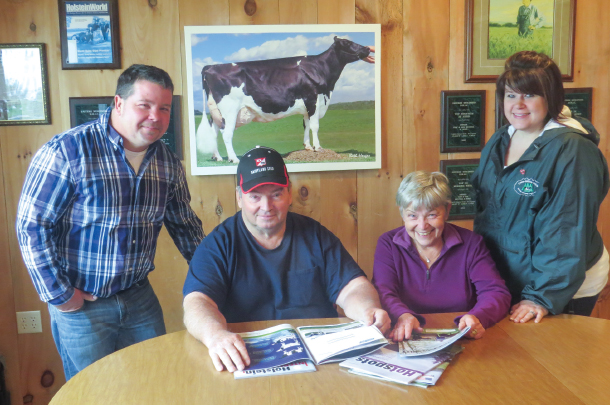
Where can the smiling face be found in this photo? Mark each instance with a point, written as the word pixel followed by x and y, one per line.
pixel 525 112
pixel 424 226
pixel 264 209
pixel 143 117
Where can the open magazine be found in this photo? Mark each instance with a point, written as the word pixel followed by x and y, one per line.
pixel 283 349
pixel 430 341
pixel 388 365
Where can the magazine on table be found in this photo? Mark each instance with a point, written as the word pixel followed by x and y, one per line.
pixel 430 341
pixel 284 349
pixel 386 364
pixel 432 376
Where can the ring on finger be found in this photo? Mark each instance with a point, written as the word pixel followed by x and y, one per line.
pixel 533 313
pixel 474 332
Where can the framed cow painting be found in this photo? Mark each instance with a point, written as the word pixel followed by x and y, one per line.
pixel 312 92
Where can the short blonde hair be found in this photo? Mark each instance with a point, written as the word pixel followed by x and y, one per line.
pixel 423 189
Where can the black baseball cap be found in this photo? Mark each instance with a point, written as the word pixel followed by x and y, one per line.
pixel 261 165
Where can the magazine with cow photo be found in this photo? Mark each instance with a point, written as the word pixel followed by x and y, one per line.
pixel 284 349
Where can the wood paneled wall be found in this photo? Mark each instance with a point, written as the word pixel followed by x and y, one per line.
pixel 422 53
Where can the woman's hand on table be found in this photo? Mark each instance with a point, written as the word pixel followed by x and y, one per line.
pixel 404 326
pixel 228 350
pixel 476 329
pixel 527 310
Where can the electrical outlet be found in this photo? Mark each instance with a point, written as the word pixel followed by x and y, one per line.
pixel 29 322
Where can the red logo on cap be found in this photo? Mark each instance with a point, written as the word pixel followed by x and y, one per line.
pixel 522 171
pixel 260 162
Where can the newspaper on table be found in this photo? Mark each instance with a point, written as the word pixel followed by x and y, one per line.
pixel 430 341
pixel 283 349
pixel 388 365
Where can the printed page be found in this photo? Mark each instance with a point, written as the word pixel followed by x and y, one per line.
pixel 430 341
pixel 274 347
pixel 337 342
pixel 301 366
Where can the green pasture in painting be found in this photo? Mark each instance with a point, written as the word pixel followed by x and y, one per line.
pixel 347 129
pixel 508 18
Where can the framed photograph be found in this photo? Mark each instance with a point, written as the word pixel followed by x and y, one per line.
pixel 85 109
pixel 580 101
pixel 462 120
pixel 312 92
pixel 463 196
pixel 496 29
pixel 24 88
pixel 89 33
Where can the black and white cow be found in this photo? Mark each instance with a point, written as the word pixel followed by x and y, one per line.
pixel 267 90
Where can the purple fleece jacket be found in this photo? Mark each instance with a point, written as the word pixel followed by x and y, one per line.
pixel 463 278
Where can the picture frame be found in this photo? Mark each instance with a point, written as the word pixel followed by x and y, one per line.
pixel 462 120
pixel 24 92
pixel 463 195
pixel 89 34
pixel 580 101
pixel 85 109
pixel 349 130
pixel 496 29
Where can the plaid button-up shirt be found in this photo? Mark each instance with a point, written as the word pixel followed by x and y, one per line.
pixel 86 220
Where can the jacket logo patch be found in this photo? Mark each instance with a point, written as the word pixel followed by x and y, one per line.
pixel 526 187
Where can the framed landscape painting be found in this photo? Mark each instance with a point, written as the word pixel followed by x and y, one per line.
pixel 312 92
pixel 496 29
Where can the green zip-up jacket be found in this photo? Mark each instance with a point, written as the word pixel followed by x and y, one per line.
pixel 538 216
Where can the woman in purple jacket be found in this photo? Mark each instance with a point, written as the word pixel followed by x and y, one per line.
pixel 430 266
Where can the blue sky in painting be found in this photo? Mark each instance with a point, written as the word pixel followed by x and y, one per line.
pixel 357 82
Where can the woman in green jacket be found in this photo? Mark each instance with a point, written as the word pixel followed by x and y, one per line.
pixel 539 184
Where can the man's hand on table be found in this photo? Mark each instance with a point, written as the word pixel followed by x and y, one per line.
pixel 227 350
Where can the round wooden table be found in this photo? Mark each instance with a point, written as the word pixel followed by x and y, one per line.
pixel 562 360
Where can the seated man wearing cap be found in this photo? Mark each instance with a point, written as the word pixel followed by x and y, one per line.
pixel 266 263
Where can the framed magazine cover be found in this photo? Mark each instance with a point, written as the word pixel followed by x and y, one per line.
pixel 89 33
pixel 24 88
pixel 85 109
pixel 346 100
pixel 496 29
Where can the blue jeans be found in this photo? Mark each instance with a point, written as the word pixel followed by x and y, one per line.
pixel 106 325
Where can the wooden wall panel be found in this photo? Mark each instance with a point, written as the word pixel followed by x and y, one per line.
pixel 422 52
pixel 266 12
pixel 377 211
pixel 37 352
pixel 591 69
pixel 9 343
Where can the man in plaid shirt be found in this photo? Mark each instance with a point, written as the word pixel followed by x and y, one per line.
pixel 92 206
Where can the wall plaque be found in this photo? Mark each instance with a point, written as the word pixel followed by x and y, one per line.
pixel 459 171
pixel 462 120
